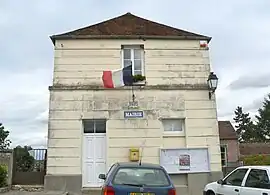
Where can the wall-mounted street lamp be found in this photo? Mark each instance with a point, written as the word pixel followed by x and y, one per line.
pixel 212 82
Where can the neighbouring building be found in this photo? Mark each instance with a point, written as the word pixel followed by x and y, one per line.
pixel 172 116
pixel 232 150
pixel 229 145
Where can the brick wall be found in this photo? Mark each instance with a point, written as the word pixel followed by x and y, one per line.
pixel 232 149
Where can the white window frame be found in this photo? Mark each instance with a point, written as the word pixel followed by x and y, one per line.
pixel 132 48
pixel 174 132
pixel 226 155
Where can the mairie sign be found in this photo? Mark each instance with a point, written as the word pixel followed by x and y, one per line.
pixel 133 114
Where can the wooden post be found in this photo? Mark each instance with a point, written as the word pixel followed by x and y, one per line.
pixel 45 163
pixel 14 166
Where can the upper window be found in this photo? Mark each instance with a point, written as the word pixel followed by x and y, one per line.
pixel 94 125
pixel 258 178
pixel 173 125
pixel 236 178
pixel 133 55
pixel 223 152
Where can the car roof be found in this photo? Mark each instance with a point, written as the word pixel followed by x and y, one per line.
pixel 256 167
pixel 136 164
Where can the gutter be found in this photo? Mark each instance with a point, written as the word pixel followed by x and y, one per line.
pixel 144 37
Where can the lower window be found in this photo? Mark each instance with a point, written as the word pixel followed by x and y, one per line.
pixel 236 178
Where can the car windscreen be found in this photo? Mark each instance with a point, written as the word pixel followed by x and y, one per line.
pixel 141 176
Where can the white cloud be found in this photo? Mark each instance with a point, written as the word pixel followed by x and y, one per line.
pixel 26 97
pixel 43 117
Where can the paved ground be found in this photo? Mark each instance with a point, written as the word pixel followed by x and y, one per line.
pixel 13 192
pixel 23 193
pixel 33 192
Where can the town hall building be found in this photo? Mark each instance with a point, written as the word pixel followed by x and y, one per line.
pixel 167 115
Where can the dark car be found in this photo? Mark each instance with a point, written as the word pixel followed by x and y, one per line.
pixel 136 179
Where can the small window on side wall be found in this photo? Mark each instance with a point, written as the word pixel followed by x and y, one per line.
pixel 223 153
pixel 173 125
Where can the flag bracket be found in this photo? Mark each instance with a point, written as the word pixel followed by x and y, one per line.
pixel 133 95
pixel 133 104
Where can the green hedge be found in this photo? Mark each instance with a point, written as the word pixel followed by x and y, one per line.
pixel 3 175
pixel 256 159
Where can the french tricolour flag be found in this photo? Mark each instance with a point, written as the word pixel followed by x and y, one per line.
pixel 118 78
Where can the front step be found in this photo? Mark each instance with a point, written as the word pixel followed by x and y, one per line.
pixel 56 193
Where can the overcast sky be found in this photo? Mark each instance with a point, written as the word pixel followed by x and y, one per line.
pixel 240 50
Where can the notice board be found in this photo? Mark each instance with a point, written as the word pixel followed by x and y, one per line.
pixel 185 160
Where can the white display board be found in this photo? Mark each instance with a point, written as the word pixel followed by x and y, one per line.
pixel 185 160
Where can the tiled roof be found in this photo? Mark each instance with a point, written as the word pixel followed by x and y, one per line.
pixel 226 130
pixel 130 26
pixel 254 148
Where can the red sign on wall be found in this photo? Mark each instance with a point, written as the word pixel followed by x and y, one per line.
pixel 184 162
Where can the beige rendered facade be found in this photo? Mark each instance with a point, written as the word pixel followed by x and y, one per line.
pixel 176 74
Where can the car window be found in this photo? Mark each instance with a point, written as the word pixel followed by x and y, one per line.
pixel 110 170
pixel 236 178
pixel 141 176
pixel 258 178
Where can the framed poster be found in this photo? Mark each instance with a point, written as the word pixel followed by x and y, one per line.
pixel 185 160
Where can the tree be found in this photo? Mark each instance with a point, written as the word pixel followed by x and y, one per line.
pixel 24 161
pixel 245 128
pixel 4 142
pixel 263 119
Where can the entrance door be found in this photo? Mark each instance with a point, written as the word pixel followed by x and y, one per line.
pixel 94 155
